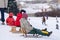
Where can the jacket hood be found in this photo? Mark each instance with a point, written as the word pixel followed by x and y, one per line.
pixel 11 14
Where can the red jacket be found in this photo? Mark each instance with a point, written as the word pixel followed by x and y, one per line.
pixel 10 20
pixel 17 22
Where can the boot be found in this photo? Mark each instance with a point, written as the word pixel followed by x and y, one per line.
pixel 3 23
pixel 44 29
pixel 49 33
pixel 20 30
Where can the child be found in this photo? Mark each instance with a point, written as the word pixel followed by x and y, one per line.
pixel 17 22
pixel 19 16
pixel 43 20
pixel 11 22
pixel 26 28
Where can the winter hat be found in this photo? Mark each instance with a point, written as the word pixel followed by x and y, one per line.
pixel 23 11
pixel 10 14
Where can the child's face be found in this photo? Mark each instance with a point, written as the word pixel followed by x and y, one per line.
pixel 22 12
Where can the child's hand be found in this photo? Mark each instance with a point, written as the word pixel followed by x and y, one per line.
pixel 30 25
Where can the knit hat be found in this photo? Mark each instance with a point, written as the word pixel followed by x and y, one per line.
pixel 23 11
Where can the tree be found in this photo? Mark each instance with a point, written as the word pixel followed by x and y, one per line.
pixel 12 7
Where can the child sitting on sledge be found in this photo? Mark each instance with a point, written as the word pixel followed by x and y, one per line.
pixel 27 28
pixel 19 16
pixel 17 22
pixel 11 22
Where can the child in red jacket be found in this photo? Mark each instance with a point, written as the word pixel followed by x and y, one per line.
pixel 17 22
pixel 11 22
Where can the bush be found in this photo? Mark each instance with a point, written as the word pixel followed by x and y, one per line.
pixel 53 13
pixel 12 7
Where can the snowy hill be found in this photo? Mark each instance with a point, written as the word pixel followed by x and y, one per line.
pixel 37 23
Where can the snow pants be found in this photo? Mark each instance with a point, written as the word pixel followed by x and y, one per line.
pixel 38 31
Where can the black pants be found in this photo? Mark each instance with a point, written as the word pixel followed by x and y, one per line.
pixel 2 14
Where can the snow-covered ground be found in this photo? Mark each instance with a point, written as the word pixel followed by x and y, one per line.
pixel 37 23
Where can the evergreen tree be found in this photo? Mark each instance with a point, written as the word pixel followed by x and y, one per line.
pixel 12 6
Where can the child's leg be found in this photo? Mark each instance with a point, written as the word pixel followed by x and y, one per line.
pixel 42 22
pixel 39 32
pixel 23 31
pixel 45 23
pixel 44 33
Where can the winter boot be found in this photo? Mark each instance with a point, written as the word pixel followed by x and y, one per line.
pixel 49 33
pixel 44 29
pixel 3 23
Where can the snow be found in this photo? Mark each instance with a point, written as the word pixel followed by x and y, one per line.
pixel 24 0
pixel 37 23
